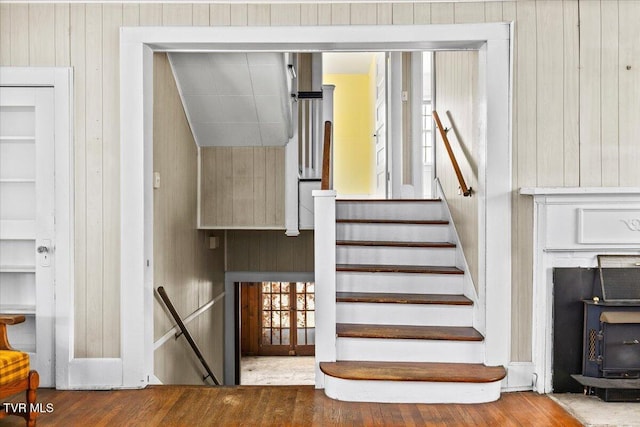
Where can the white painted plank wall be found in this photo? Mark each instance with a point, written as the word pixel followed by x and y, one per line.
pixel 629 92
pixel 455 94
pixel 589 147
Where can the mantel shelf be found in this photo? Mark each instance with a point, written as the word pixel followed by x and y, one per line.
pixel 578 191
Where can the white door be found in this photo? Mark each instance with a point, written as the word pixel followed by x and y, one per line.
pixel 27 221
pixel 380 135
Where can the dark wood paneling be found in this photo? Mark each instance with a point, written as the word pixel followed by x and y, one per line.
pixel 250 323
pixel 269 250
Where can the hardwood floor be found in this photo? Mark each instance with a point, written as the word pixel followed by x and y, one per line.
pixel 278 406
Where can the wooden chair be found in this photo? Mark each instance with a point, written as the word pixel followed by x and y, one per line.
pixel 15 375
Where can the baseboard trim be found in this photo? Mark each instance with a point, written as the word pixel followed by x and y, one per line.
pixel 95 374
pixel 520 377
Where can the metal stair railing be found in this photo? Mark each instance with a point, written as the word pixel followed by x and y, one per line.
pixel 184 331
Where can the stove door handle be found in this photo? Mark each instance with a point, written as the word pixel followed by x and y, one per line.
pixel 632 342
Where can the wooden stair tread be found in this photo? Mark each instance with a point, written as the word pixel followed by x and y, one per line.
pixel 374 297
pixel 414 371
pixel 388 200
pixel 392 221
pixel 419 269
pixel 395 244
pixel 450 333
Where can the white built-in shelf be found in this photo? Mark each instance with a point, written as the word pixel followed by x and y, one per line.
pixel 17 269
pixel 17 180
pixel 18 229
pixel 17 138
pixel 25 309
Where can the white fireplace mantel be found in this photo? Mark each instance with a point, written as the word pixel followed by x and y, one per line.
pixel 571 226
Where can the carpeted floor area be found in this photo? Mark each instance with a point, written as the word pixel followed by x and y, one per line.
pixel 277 370
pixel 593 412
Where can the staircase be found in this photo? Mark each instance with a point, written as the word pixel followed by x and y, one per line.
pixel 404 328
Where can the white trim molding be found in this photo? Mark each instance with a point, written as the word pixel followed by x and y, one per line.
pixel 559 242
pixel 137 45
pixel 61 79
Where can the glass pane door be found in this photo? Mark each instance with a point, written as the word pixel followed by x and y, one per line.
pixel 287 318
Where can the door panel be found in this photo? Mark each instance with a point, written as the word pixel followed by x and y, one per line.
pixel 26 221
pixel 278 319
pixel 380 126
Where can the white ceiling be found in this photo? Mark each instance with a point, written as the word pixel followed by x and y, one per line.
pixel 235 99
pixel 346 62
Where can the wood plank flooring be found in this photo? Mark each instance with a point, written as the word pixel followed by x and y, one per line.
pixel 392 221
pixel 397 298
pixel 413 371
pixel 418 269
pixel 376 243
pixel 410 332
pixel 278 406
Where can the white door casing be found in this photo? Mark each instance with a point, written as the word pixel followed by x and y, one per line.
pixel 136 58
pixel 27 222
pixel 380 134
pixel 47 91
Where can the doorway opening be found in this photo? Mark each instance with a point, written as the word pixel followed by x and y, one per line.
pixel 277 333
pixel 137 47
pixel 383 130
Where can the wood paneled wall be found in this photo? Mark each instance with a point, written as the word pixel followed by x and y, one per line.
pixel 267 250
pixel 191 273
pixel 574 117
pixel 242 187
pixel 456 76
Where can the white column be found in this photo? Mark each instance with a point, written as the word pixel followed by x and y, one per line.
pixel 394 122
pixel 291 208
pixel 325 278
pixel 416 124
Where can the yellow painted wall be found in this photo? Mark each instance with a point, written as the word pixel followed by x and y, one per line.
pixel 352 134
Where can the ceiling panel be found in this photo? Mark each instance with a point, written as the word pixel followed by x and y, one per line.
pixel 235 99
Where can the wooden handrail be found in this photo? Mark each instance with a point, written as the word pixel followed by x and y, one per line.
pixel 466 191
pixel 326 157
pixel 184 331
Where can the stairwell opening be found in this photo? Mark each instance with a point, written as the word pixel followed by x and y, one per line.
pixel 137 45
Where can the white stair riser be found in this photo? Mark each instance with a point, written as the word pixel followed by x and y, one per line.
pixel 450 284
pixel 401 350
pixel 410 391
pixel 389 210
pixel 395 255
pixel 404 314
pixel 393 232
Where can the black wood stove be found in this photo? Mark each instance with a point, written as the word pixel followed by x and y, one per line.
pixel 611 337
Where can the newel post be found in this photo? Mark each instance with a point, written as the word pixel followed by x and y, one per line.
pixel 325 278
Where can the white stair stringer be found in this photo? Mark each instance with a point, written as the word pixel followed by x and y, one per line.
pixel 410 391
pixel 404 314
pixel 405 247
pixel 409 350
